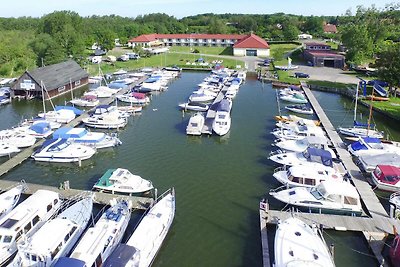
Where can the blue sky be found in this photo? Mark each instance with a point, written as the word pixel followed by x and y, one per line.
pixel 182 8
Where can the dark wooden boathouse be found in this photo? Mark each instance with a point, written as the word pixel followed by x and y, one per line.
pixel 56 79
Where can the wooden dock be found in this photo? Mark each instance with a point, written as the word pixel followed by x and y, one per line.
pixel 375 225
pixel 100 198
pixel 212 111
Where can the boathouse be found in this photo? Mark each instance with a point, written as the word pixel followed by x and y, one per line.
pixel 321 55
pixel 52 80
pixel 251 45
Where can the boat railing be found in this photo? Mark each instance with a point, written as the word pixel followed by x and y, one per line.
pixel 280 188
pixel 276 152
pixel 393 196
pixel 279 169
pixel 68 202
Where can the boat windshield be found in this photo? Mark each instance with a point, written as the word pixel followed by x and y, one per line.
pixel 316 193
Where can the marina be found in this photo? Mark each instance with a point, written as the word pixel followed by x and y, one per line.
pixel 232 194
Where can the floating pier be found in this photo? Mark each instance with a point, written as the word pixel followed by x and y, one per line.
pixel 375 224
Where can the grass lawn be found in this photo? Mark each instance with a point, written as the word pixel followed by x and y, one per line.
pixel 392 106
pixel 278 51
pixel 161 60
pixel 330 84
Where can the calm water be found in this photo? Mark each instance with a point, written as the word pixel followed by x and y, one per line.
pixel 218 180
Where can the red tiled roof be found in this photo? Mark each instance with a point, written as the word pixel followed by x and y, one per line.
pixel 323 53
pixel 144 38
pixel 330 28
pixel 251 41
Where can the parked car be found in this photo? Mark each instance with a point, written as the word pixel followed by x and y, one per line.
pixel 301 75
pixel 123 58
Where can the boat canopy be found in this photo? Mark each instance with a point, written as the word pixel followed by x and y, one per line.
pixel 360 145
pixel 121 256
pixel 387 173
pixel 103 109
pixel 117 85
pixel 224 105
pixel 77 111
pixel 69 262
pixel 319 155
pixel 41 127
pixel 138 95
pixel 67 132
pixel 153 79
pixel 361 124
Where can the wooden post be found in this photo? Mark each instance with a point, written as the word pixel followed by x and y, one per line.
pixel 332 250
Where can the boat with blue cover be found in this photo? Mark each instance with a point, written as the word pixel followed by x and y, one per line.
pixel 84 137
pixel 222 122
pixel 61 150
pixel 371 145
pixel 311 154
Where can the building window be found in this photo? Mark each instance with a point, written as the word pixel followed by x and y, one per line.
pixel 77 83
pixel 61 88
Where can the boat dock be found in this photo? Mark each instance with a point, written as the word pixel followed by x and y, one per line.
pixel 212 111
pixel 98 197
pixel 27 152
pixel 375 224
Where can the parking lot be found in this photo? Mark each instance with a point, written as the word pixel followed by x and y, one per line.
pixel 327 74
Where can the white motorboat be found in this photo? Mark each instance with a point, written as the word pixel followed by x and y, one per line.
pixel 370 145
pixel 4 100
pixel 17 138
pixel 134 98
pixel 205 92
pixel 85 101
pixel 154 84
pixel 195 124
pixel 61 116
pixel 195 106
pixel 302 109
pixel 37 128
pixel 56 237
pixel 222 122
pixel 301 145
pixel 106 117
pixel 298 244
pixel 10 198
pixel 23 221
pixel 84 137
pixel 297 98
pixel 201 97
pixel 101 92
pixel 326 197
pixel 306 175
pixel 293 124
pixel 122 181
pixel 298 133
pixel 394 201
pixel 368 162
pixel 231 93
pixel 99 241
pixel 294 118
pixel 61 150
pixel 309 155
pixel 143 245
pixel 386 177
pixel 6 149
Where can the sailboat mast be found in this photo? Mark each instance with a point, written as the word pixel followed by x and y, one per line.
pixel 370 111
pixel 44 105
pixel 355 107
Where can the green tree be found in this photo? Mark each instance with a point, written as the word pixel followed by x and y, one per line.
pixel 216 26
pixel 290 32
pixel 358 42
pixel 388 64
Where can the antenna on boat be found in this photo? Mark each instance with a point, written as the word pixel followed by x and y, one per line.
pixel 70 87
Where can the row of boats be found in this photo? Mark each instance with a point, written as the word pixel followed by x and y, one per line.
pixel 45 230
pixel 314 182
pixel 214 95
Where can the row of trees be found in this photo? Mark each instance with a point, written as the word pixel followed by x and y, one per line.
pixel 28 41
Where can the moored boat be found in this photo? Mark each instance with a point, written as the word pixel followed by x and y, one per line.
pixel 56 237
pixel 100 240
pixel 195 124
pixel 122 181
pixel 310 155
pixel 302 109
pixel 60 150
pixel 386 177
pixel 298 244
pixel 327 197
pixel 23 221
pixel 85 101
pixel 222 122
pixel 10 198
pixel 6 149
pixel 106 117
pixel 143 245
pixel 194 106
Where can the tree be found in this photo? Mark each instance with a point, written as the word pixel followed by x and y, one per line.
pixel 290 32
pixel 314 25
pixel 358 42
pixel 216 26
pixel 388 64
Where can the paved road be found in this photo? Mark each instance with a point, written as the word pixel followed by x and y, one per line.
pixel 327 74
